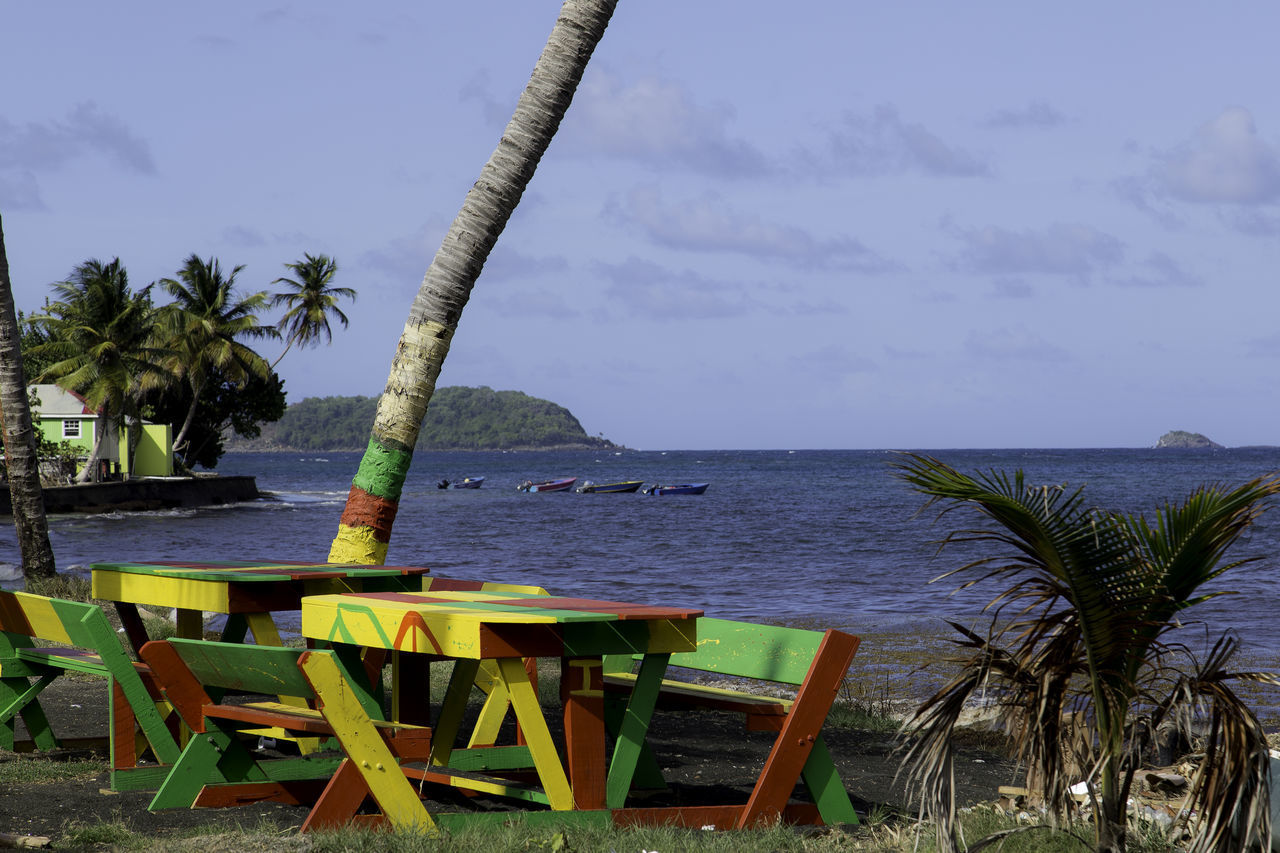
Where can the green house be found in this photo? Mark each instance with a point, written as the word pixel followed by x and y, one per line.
pixel 65 416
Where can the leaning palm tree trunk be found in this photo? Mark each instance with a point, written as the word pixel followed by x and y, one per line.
pixel 19 440
pixel 365 529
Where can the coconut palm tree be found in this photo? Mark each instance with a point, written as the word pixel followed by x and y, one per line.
pixel 203 327
pixel 365 528
pixel 22 467
pixel 1086 633
pixel 99 343
pixel 311 302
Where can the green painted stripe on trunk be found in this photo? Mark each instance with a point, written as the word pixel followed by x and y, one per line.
pixel 383 471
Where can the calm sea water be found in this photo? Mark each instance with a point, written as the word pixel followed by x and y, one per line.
pixel 825 535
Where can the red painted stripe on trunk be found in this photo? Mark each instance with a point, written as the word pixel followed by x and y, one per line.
pixel 370 511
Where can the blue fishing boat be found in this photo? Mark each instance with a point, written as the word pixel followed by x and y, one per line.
pixel 464 483
pixel 681 489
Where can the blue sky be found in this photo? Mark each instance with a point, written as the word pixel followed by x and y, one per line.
pixel 834 225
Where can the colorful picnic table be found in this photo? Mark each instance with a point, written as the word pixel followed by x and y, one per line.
pixel 246 591
pixel 503 628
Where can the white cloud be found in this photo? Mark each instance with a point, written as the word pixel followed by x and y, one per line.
pixel 20 191
pixel 657 122
pixel 1060 249
pixel 1161 270
pixel 1036 114
pixel 1013 344
pixel 85 130
pixel 644 289
pixel 1226 162
pixel 884 144
pixel 707 224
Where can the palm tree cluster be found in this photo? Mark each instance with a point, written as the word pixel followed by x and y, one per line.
pixel 130 358
pixel 1087 653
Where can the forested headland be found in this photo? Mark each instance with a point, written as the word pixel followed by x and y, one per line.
pixel 458 418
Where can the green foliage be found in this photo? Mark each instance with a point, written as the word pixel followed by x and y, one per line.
pixel 70 587
pixel 457 419
pixel 224 408
pixel 310 301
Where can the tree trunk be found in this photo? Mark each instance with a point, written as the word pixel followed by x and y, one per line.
pixel 365 529
pixel 89 473
pixel 23 465
pixel 180 443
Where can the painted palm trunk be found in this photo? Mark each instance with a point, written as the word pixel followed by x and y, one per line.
pixel 364 532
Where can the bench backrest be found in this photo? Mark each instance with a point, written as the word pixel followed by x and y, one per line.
pixel 25 617
pixel 243 667
pixel 743 649
pixel 438 583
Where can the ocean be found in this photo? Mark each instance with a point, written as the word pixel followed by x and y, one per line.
pixel 821 537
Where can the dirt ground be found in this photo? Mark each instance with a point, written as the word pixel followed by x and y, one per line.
pixel 708 757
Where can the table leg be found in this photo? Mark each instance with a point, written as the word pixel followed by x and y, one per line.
pixel 411 688
pixel 265 632
pixel 635 726
pixel 582 689
pixel 445 733
pixel 541 747
pixel 134 629
pixel 190 624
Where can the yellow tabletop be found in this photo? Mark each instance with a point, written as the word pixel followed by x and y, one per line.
pixel 487 625
pixel 248 589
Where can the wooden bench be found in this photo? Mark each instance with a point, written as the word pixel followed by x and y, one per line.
pixel 84 642
pixel 218 768
pixel 816 662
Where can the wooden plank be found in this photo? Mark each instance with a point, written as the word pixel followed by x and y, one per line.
pixel 637 716
pixel 794 743
pixel 582 693
pixel 362 743
pixel 524 700
pixel 160 591
pixel 339 801
pixel 454 706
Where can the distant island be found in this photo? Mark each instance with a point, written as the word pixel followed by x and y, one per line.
pixel 1182 440
pixel 458 418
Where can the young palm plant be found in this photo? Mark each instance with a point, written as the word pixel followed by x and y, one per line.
pixel 1083 634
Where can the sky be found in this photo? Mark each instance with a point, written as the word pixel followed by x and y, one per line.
pixel 812 225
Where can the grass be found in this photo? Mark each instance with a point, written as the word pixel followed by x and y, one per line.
pixel 36 770
pixel 1016 834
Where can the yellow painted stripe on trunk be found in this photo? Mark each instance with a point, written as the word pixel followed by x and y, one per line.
pixel 357 545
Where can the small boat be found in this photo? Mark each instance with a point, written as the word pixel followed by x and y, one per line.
pixel 612 488
pixel 464 483
pixel 681 489
pixel 548 485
